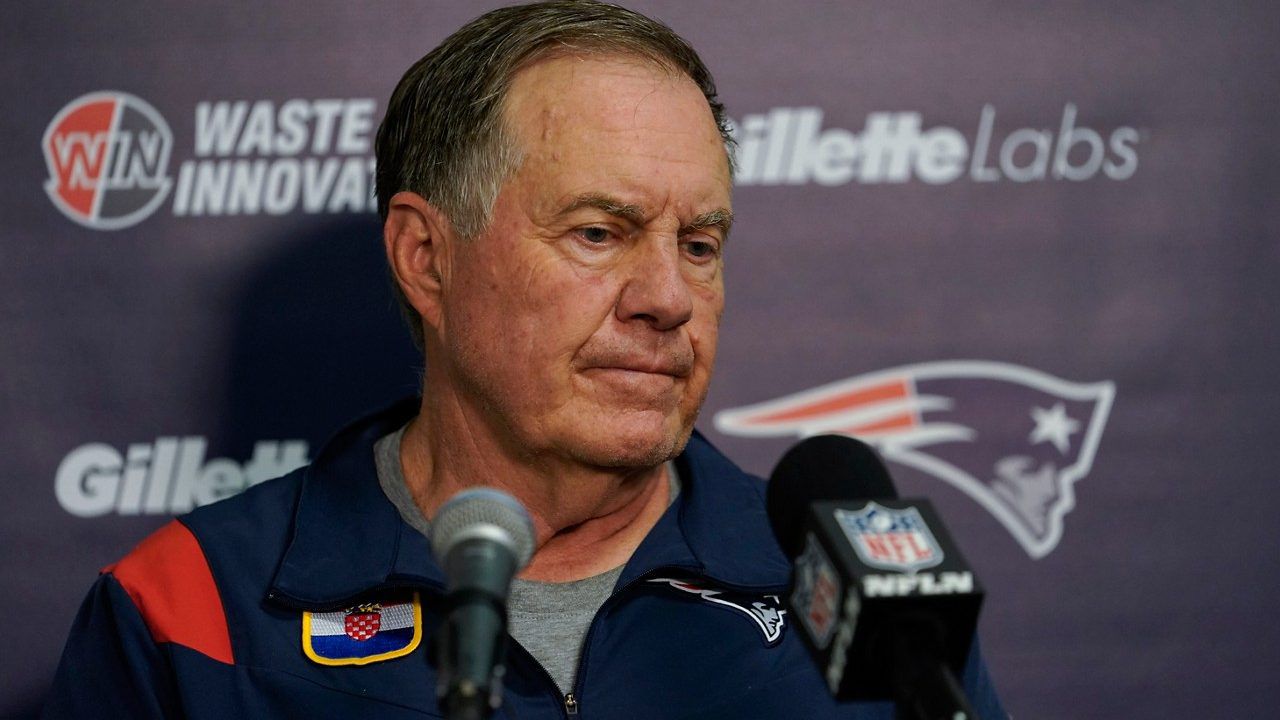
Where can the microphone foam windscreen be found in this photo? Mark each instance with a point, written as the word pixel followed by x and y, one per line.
pixel 823 467
pixel 483 512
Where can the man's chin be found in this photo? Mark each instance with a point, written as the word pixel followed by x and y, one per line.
pixel 620 449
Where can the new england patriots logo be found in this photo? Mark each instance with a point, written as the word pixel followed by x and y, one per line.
pixel 1012 438
pixel 764 610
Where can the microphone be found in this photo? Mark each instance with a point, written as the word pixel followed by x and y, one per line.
pixel 481 537
pixel 886 604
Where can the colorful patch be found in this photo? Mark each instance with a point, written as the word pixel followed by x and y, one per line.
pixel 766 611
pixel 363 634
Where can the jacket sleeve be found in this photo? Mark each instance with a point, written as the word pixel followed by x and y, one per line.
pixel 118 662
pixel 111 667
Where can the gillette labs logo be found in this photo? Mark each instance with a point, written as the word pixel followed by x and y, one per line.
pixel 789 146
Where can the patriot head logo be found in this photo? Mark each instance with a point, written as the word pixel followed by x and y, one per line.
pixel 1014 439
pixel 766 611
pixel 108 155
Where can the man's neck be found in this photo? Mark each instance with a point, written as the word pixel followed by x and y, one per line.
pixel 586 520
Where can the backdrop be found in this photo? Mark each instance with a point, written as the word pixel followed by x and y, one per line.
pixel 1029 250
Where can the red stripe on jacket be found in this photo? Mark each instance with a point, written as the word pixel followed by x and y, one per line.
pixel 169 580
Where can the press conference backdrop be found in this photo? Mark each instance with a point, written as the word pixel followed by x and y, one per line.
pixel 1027 249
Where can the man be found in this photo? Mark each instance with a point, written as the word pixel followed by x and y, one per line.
pixel 555 182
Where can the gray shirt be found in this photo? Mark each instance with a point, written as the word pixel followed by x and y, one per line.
pixel 550 620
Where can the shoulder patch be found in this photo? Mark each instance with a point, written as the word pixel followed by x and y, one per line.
pixel 766 611
pixel 169 580
pixel 362 634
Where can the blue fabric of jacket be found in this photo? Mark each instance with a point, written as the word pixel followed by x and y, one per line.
pixel 205 619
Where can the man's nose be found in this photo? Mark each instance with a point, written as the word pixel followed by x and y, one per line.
pixel 656 290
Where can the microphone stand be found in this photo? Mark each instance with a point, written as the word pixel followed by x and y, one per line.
pixel 472 638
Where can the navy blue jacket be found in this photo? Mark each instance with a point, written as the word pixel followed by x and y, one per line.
pixel 238 610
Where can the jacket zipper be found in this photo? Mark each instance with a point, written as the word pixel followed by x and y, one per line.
pixel 571 704
pixel 569 700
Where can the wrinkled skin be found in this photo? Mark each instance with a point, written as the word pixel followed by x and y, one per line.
pixel 570 345
pixel 581 332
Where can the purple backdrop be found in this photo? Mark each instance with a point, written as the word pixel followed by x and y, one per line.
pixel 1031 252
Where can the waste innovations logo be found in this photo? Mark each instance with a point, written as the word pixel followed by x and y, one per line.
pixel 789 146
pixel 108 156
pixel 1014 439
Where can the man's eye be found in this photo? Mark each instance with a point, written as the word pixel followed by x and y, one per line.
pixel 700 249
pixel 594 235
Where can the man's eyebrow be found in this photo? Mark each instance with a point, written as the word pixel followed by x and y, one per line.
pixel 719 218
pixel 612 206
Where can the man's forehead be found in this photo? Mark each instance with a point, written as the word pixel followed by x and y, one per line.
pixel 618 116
pixel 563 97
pixel 568 67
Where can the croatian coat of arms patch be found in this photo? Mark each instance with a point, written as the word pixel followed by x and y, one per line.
pixel 363 634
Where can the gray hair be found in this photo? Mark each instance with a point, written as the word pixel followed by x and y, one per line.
pixel 443 136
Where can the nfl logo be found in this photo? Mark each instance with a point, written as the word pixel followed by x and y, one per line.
pixel 890 539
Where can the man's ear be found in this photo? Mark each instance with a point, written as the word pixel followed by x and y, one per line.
pixel 418 238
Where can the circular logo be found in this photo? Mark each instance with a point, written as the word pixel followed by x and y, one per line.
pixel 108 159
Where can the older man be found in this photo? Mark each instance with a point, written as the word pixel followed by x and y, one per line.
pixel 555 181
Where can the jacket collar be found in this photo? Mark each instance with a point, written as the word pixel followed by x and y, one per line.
pixel 349 539
pixel 717 527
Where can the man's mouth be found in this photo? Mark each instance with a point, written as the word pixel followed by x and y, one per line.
pixel 647 385
pixel 675 365
pixel 668 369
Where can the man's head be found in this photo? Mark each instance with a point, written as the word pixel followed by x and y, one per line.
pixel 443 135
pixel 555 183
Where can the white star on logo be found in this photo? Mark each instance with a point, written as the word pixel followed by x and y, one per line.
pixel 1054 426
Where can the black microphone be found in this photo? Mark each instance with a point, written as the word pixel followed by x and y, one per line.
pixel 481 538
pixel 885 602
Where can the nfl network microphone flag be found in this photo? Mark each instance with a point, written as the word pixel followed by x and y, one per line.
pixel 852 606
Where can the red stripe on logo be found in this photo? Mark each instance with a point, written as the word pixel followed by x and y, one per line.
pixel 905 421
pixel 892 390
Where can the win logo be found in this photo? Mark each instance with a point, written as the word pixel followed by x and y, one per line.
pixel 108 155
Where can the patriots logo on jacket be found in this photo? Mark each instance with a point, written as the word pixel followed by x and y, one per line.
pixel 766 611
pixel 363 634
pixel 1013 438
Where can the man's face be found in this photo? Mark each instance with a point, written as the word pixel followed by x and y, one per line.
pixel 583 323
